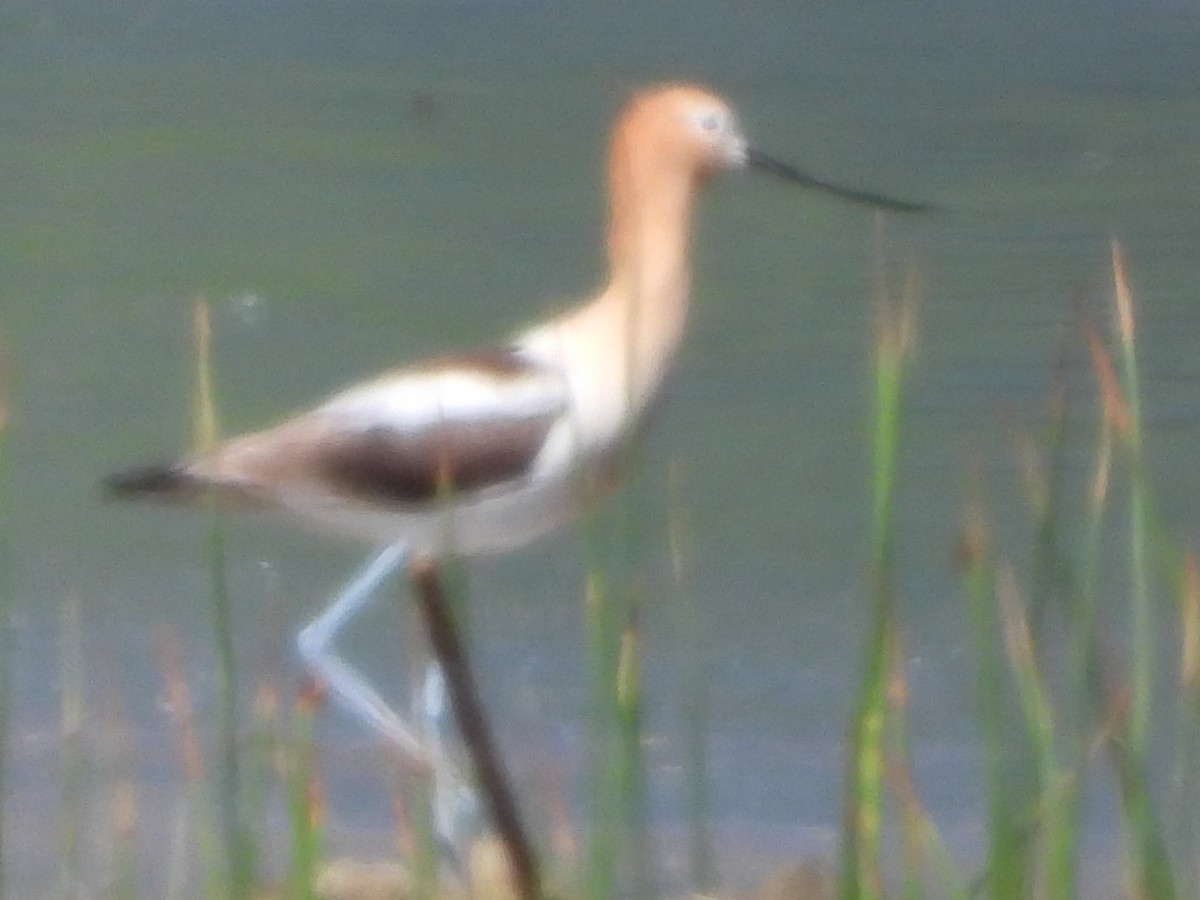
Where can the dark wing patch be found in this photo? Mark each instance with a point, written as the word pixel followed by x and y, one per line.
pixel 384 465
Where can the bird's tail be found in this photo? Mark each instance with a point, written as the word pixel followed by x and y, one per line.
pixel 168 481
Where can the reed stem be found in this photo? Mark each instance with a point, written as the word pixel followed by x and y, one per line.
pixel 239 847
pixel 7 644
pixel 861 876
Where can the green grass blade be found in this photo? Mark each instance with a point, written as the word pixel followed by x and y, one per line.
pixel 425 860
pixel 860 876
pixel 125 828
pixel 239 847
pixel 631 763
pixel 1007 869
pixel 1188 760
pixel 1142 670
pixel 604 824
pixel 612 544
pixel 238 842
pixel 1056 823
pixel 191 761
pixel 898 770
pixel 304 800
pixel 1045 466
pixel 6 623
pixel 73 757
pixel 1084 688
pixel 1150 862
pixel 1049 795
pixel 695 701
pixel 923 845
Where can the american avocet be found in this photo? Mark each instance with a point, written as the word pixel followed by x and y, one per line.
pixel 481 452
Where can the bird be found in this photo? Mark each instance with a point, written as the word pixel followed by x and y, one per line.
pixel 484 451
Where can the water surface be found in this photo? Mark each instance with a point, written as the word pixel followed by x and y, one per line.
pixel 351 185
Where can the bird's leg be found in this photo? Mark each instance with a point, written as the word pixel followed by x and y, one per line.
pixel 457 681
pixel 424 746
pixel 456 812
pixel 315 644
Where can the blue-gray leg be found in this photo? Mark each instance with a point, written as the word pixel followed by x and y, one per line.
pixel 455 804
pixel 346 684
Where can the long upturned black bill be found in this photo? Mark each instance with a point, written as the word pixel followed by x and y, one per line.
pixel 765 163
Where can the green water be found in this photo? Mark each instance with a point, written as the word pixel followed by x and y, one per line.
pixel 353 184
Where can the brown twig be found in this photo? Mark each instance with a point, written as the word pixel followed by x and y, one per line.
pixel 473 726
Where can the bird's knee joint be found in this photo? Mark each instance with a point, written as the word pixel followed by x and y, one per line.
pixel 311 644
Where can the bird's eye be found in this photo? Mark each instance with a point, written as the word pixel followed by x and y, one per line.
pixel 710 122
